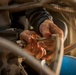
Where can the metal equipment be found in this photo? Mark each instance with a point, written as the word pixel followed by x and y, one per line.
pixel 5 44
pixel 10 52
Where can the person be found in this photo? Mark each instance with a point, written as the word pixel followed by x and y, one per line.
pixel 42 23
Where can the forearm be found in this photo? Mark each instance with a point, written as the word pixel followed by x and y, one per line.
pixel 37 16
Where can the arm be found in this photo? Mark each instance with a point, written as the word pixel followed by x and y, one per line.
pixel 37 16
pixel 42 22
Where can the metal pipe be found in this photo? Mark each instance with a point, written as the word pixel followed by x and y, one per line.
pixel 69 48
pixel 24 6
pixel 58 8
pixel 34 63
pixel 43 3
pixel 58 52
pixel 20 7
pixel 59 55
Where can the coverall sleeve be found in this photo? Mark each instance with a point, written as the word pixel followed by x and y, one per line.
pixel 37 16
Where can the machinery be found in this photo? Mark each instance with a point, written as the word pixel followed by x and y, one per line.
pixel 12 64
pixel 14 61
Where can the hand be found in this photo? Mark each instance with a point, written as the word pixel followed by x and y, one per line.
pixel 47 28
pixel 32 47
